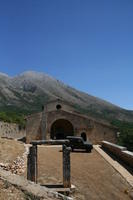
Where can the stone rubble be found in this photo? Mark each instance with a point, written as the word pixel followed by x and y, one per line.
pixel 10 173
pixel 18 166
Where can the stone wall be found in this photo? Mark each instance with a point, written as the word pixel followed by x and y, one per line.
pixel 33 127
pixel 82 125
pixel 102 132
pixel 11 130
pixel 39 126
pixel 52 106
pixel 36 191
pixel 95 132
pixel 119 151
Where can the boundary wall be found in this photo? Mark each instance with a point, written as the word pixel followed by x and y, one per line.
pixel 119 151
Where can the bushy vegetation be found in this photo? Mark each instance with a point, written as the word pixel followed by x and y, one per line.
pixel 12 118
pixel 126 133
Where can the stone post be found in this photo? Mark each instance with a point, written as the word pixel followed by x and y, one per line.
pixel 32 164
pixel 66 167
pixel 43 124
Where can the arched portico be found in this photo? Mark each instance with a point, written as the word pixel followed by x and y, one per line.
pixel 61 128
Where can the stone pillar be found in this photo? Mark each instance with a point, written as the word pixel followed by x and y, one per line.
pixel 66 167
pixel 32 164
pixel 43 124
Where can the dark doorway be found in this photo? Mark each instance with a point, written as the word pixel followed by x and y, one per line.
pixel 61 128
pixel 83 135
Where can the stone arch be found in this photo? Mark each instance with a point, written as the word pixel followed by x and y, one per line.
pixel 83 135
pixel 61 128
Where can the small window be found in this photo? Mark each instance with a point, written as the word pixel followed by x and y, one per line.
pixel 58 107
pixel 42 107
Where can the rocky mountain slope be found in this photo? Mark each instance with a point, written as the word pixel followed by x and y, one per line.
pixel 27 92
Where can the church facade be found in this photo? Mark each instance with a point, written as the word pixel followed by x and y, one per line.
pixel 59 120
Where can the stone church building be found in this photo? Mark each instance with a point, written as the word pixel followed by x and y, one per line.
pixel 58 120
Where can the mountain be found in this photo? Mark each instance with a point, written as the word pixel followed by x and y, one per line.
pixel 27 92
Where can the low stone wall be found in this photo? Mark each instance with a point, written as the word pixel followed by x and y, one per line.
pixel 11 130
pixel 119 151
pixel 127 156
pixel 28 187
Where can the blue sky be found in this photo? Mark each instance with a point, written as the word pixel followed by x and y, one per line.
pixel 88 44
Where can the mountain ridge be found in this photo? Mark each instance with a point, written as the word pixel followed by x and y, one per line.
pixel 29 90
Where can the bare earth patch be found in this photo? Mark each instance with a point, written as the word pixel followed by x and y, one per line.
pixel 10 150
pixel 93 177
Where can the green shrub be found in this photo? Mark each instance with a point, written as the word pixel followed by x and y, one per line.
pixel 126 133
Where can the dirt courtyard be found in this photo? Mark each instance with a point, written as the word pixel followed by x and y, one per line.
pixel 93 177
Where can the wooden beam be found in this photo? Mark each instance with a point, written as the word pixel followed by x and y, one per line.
pixel 32 164
pixel 50 142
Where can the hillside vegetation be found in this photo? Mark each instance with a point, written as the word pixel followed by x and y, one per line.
pixel 13 117
pixel 126 133
pixel 27 93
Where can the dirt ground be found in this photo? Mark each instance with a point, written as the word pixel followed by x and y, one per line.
pixel 93 177
pixel 9 150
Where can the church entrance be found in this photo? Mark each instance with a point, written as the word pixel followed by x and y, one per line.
pixel 61 128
